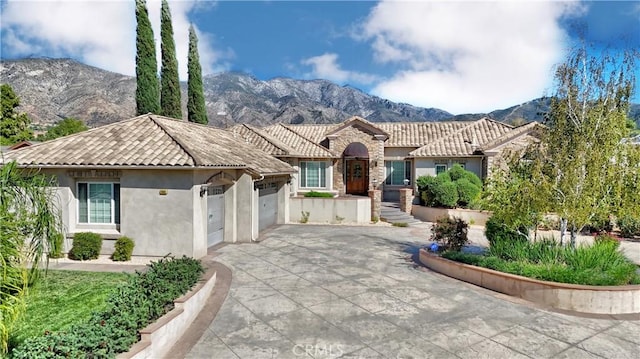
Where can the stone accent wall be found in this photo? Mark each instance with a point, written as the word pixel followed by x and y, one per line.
pixel 406 199
pixel 338 142
pixel 376 203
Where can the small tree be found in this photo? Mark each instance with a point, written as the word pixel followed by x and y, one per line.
pixel 169 80
pixel 29 226
pixel 65 127
pixel 196 110
pixel 147 91
pixel 14 126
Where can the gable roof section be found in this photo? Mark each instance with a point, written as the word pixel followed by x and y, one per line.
pixel 361 123
pixel 303 146
pixel 512 135
pixel 150 141
pixel 418 134
pixel 261 139
pixel 464 141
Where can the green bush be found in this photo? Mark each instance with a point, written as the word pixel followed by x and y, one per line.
pixel 451 233
pixel 144 298
pixel 599 264
pixel 467 192
pixel 439 191
pixel 629 226
pixel 318 194
pixel 57 244
pixel 86 245
pixel 123 249
pixel 446 194
pixel 456 172
pixel 600 224
pixel 496 231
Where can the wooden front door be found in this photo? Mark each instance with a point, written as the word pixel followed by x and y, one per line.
pixel 357 177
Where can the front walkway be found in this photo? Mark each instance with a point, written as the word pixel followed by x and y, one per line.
pixel 353 292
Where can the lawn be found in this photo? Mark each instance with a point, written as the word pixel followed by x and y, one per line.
pixel 61 299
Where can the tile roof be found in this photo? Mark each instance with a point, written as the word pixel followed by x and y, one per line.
pixel 261 139
pixel 511 135
pixel 465 140
pixel 150 140
pixel 303 146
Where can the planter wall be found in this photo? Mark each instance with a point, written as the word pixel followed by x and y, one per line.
pixel 579 298
pixel 327 210
pixel 159 337
pixel 431 214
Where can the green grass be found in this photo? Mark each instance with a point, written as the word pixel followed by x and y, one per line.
pixel 598 264
pixel 319 194
pixel 61 299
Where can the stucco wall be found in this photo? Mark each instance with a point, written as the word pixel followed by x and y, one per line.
pixel 331 210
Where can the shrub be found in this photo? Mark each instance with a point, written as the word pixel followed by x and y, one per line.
pixel 473 178
pixel 304 216
pixel 57 244
pixel 451 233
pixel 629 226
pixel 446 194
pixel 600 224
pixel 86 245
pixel 319 194
pixel 124 249
pixel 456 172
pixel 467 192
pixel 496 231
pixel 145 297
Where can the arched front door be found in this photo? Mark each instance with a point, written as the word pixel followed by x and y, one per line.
pixel 356 158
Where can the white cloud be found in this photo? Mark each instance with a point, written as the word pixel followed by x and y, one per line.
pixel 99 33
pixel 467 56
pixel 326 66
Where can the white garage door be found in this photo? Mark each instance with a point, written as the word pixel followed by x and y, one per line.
pixel 268 204
pixel 215 215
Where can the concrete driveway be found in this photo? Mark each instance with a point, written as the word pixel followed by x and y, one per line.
pixel 310 291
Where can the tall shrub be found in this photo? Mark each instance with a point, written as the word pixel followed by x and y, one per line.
pixel 147 90
pixel 196 110
pixel 169 79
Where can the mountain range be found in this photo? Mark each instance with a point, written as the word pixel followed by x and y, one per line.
pixel 54 89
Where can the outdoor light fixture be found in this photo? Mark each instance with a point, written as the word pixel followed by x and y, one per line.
pixel 203 191
pixel 406 182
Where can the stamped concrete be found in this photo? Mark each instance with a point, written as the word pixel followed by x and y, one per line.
pixel 310 291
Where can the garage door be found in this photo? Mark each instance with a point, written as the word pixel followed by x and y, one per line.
pixel 268 205
pixel 215 215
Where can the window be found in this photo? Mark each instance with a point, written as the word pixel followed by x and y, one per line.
pixel 440 168
pixel 397 172
pixel 313 174
pixel 99 203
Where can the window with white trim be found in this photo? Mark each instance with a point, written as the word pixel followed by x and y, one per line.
pixel 99 202
pixel 440 168
pixel 396 172
pixel 313 174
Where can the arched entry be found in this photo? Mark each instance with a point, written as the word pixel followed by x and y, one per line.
pixel 356 164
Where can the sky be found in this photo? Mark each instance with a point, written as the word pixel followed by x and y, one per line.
pixel 459 56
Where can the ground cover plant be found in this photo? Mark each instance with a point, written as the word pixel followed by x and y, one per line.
pixel 142 299
pixel 61 299
pixel 601 263
pixel 318 194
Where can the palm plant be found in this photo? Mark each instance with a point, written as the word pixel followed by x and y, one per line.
pixel 29 221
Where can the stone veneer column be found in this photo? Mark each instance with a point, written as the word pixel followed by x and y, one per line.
pixel 406 199
pixel 376 203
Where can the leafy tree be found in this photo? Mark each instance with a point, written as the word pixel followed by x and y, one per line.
pixel 169 80
pixel 29 225
pixel 147 92
pixel 196 111
pixel 66 127
pixel 14 126
pixel 581 169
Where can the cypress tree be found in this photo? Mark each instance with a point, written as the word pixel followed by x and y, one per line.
pixel 195 102
pixel 169 81
pixel 147 91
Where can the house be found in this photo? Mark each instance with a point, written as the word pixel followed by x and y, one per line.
pixel 356 155
pixel 172 186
